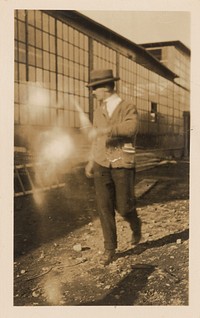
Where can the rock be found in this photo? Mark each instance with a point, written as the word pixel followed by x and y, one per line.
pixel 117 296
pixel 107 287
pixel 178 241
pixel 23 271
pixel 35 294
pixel 41 255
pixel 62 302
pixel 77 247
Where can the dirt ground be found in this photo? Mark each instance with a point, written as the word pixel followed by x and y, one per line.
pixel 58 242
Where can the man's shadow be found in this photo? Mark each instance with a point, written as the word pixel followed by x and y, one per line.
pixel 171 238
pixel 126 292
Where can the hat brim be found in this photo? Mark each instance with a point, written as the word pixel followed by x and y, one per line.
pixel 103 81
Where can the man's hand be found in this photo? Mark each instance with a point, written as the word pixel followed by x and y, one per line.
pixel 94 133
pixel 89 169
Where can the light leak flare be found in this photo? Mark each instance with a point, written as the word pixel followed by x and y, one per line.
pixel 55 149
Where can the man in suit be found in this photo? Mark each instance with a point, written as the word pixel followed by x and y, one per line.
pixel 112 162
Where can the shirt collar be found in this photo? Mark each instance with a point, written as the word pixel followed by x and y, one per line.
pixel 112 98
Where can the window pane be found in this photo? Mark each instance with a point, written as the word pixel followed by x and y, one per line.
pixel 66 85
pixel 46 60
pixel 60 65
pixel 31 17
pixel 65 32
pixel 46 78
pixel 52 44
pixel 66 50
pixel 71 52
pixel 38 58
pixel 76 37
pixel 16 114
pixel 59 47
pixel 52 25
pixel 22 53
pixel 22 72
pixel 60 99
pixel 21 15
pixel 76 55
pixel 46 41
pixel 21 31
pixel 16 72
pixel 38 19
pixel 53 80
pixel 59 29
pixel 52 62
pixel 53 98
pixel 66 67
pixel 60 82
pixel 16 92
pixel 31 35
pixel 71 35
pixel 23 93
pixel 31 74
pixel 16 27
pixel 39 38
pixel 45 22
pixel 71 118
pixel 31 55
pixel 38 75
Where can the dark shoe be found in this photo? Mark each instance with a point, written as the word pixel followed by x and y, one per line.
pixel 136 235
pixel 107 257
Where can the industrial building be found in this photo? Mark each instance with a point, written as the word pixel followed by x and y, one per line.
pixel 55 50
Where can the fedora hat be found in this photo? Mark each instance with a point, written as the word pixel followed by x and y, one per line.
pixel 98 77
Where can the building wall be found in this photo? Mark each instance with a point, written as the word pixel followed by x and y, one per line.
pixel 177 61
pixel 52 64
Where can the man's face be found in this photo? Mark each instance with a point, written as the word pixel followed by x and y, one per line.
pixel 99 93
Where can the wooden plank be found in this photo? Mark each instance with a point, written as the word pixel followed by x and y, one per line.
pixel 19 194
pixel 144 186
pixel 34 188
pixel 20 181
pixel 147 162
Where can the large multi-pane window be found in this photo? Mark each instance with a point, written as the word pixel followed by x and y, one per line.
pixel 127 73
pixel 72 57
pixel 51 60
pixel 134 86
pixel 142 99
pixel 182 69
pixel 20 66
pixel 103 56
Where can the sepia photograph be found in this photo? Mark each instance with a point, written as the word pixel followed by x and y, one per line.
pixel 101 154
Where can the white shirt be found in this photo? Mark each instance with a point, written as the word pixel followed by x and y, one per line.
pixel 112 102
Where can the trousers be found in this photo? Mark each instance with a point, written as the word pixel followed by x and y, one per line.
pixel 114 193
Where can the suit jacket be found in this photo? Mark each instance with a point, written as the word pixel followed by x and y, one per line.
pixel 108 150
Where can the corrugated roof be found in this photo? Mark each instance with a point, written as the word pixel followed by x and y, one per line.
pixel 143 57
pixel 177 44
